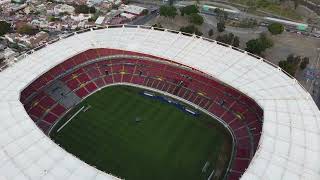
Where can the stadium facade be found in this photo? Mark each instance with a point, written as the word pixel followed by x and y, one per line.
pixel 287 148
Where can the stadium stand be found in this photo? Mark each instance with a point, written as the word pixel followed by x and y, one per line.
pixel 88 71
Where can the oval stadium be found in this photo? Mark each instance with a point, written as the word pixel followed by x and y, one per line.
pixel 136 102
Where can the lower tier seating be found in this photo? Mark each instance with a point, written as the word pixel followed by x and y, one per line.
pixel 239 112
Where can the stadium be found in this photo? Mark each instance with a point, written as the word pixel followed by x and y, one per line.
pixel 135 102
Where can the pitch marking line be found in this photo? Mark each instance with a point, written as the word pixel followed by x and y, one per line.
pixel 70 118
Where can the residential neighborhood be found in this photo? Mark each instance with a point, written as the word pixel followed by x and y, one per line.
pixel 36 22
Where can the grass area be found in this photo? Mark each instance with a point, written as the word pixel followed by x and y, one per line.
pixel 166 144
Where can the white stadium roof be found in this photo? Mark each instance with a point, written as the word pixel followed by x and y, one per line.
pixel 289 147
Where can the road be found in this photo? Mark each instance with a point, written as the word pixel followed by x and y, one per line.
pixel 211 20
pixel 144 19
pixel 313 86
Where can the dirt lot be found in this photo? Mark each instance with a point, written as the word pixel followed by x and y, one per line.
pixel 168 23
pixel 288 43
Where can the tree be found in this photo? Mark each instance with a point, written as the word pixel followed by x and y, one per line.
pixel 276 28
pixel 168 11
pixel 157 25
pixel 196 19
pixel 64 14
pixel 257 46
pixel 93 19
pixel 210 32
pixel 84 9
pixel 230 39
pixel 304 63
pixel 220 26
pixel 191 29
pixel 126 1
pixel 4 28
pixel 52 18
pixel 288 67
pixel 291 64
pixel 221 14
pixel 265 41
pixel 145 12
pixel 254 46
pixel 236 42
pixel 188 10
pixel 296 3
pixel 27 29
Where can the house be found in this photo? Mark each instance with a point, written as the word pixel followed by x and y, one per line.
pixel 132 9
pixel 80 17
pixel 38 39
pixel 63 8
pixel 100 20
pixel 7 53
pixel 128 16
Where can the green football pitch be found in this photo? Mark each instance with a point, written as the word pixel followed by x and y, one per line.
pixel 139 138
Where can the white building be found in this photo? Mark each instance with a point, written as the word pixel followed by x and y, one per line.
pixel 132 9
pixel 4 1
pixel 63 8
pixel 128 16
pixel 8 53
pixel 80 17
pixel 93 2
pixel 100 20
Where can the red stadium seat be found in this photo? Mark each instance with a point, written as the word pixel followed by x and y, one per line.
pixel 47 102
pixel 235 109
pixel 58 110
pixel 50 118
pixel 100 82
pixel 73 84
pixel 91 87
pixel 82 92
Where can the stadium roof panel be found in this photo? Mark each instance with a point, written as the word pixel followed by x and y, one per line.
pixel 290 142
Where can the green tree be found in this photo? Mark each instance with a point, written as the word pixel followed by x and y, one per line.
pixel 188 10
pixel 168 11
pixel 287 67
pixel 254 46
pixel 236 42
pixel 191 29
pixel 221 14
pixel 210 32
pixel 27 29
pixel 4 28
pixel 276 28
pixel 126 1
pixel 196 19
pixel 265 41
pixel 52 18
pixel 84 9
pixel 304 63
pixel 257 46
pixel 230 39
pixel 157 25
pixel 296 3
pixel 290 65
pixel 145 12
pixel 221 26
